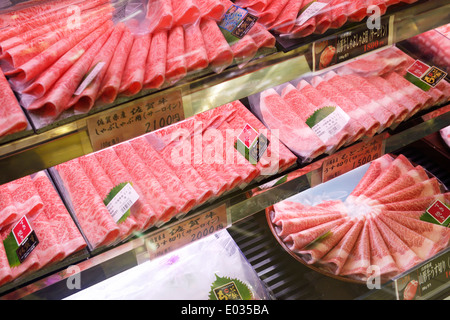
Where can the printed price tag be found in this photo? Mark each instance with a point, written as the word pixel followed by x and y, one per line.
pixel 352 158
pixel 122 201
pixel 310 11
pixel 21 241
pixel 351 44
pixel 438 213
pixel 327 122
pixel 186 231
pixel 22 230
pixel 236 23
pixel 135 118
pixel 424 280
pixel 424 76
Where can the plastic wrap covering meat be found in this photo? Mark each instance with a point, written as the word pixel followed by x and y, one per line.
pixel 34 199
pixel 63 58
pixel 369 222
pixel 320 113
pixel 434 46
pixel 301 18
pixel 177 276
pixel 12 117
pixel 167 173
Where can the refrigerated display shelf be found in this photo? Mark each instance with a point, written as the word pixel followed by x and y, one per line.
pixel 288 279
pixel 241 207
pixel 56 144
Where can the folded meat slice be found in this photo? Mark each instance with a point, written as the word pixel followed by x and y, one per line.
pixel 211 9
pixel 195 52
pixel 361 123
pixel 405 258
pixel 61 223
pixel 175 62
pixel 396 169
pixel 304 108
pixel 155 193
pixel 380 256
pixel 185 12
pixel 415 93
pixel 190 178
pixel 159 15
pixel 12 118
pixel 358 261
pixel 422 203
pixel 56 100
pixel 300 240
pixel 436 233
pixel 287 227
pixel 335 259
pixel 413 176
pixel 8 211
pixel 83 102
pixel 182 197
pixel 319 248
pixel 375 169
pixel 141 211
pixel 421 189
pixel 134 72
pixel 220 55
pixel 103 185
pixel 382 115
pixel 286 19
pixel 25 197
pixel 91 213
pixel 271 12
pixel 340 138
pixel 423 247
pixel 5 269
pixel 378 96
pixel 155 73
pixel 277 115
pixel 397 95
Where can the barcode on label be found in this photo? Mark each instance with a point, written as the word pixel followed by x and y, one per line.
pixel 122 202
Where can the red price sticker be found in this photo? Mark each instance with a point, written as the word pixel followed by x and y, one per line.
pixel 439 211
pixel 418 69
pixel 22 230
pixel 248 136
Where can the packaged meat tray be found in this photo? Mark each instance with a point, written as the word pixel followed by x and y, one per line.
pixel 13 122
pixel 301 18
pixel 378 220
pixel 322 112
pixel 150 180
pixel 433 46
pixel 212 268
pixel 37 230
pixel 65 59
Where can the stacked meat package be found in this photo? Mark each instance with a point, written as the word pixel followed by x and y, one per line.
pixel 167 173
pixel 378 229
pixel 67 56
pixel 301 18
pixel 35 199
pixel 322 113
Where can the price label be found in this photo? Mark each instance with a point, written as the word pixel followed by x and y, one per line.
pixel 438 213
pixel 352 158
pixel 424 76
pixel 186 231
pixel 135 118
pixel 351 44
